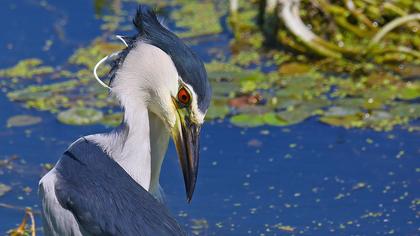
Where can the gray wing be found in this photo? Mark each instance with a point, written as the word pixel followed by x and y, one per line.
pixel 104 199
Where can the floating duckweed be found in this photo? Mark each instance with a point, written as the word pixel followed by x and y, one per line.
pixel 89 56
pixel 28 68
pixel 217 111
pixel 349 92
pixel 4 189
pixel 247 120
pixel 112 119
pixel 372 88
pixel 197 18
pixel 80 116
pixel 346 121
pixel 294 68
pixel 23 120
pixel 410 91
pixel 274 119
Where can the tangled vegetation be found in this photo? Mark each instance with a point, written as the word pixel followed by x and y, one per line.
pixel 352 63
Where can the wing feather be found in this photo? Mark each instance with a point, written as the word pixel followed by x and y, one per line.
pixel 104 199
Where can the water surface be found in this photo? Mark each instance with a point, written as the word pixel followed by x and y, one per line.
pixel 308 179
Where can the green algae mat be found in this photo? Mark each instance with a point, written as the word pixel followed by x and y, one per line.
pixel 361 70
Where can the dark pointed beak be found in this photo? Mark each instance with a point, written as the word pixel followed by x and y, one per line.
pixel 186 136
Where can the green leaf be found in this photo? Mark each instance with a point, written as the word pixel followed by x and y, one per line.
pixel 217 111
pixel 247 120
pixel 272 118
pixel 409 92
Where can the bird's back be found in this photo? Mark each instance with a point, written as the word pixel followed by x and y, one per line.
pixel 102 197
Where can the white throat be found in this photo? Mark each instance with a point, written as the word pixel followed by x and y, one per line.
pixel 139 148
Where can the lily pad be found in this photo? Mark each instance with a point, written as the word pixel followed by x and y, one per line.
pixel 247 120
pixel 112 120
pixel 197 18
pixel 23 120
pixel 406 110
pixel 254 109
pixel 294 68
pixel 217 111
pixel 224 88
pixel 341 111
pixel 80 116
pixel 411 91
pixel 347 121
pixel 292 86
pixel 350 102
pixel 294 116
pixel 274 119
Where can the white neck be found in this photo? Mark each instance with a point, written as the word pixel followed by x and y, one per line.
pixel 139 147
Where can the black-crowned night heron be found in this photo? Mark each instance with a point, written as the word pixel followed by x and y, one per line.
pixel 108 184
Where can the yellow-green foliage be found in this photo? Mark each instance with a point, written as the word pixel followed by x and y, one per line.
pixel 80 116
pixel 90 55
pixel 365 95
pixel 27 69
pixel 198 18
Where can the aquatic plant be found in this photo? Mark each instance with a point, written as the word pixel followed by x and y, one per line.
pixel 353 39
pixel 23 229
pixel 345 62
pixel 27 69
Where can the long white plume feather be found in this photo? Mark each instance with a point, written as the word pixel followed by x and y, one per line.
pixel 122 39
pixel 106 59
pixel 96 75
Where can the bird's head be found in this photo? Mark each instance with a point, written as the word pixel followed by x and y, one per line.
pixel 159 71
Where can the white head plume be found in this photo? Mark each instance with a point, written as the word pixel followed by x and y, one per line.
pixel 106 59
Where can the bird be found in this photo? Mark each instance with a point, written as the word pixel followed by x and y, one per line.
pixel 108 183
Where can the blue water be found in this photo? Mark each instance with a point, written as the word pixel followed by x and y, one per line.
pixel 317 179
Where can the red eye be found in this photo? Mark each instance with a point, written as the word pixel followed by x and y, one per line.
pixel 184 97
